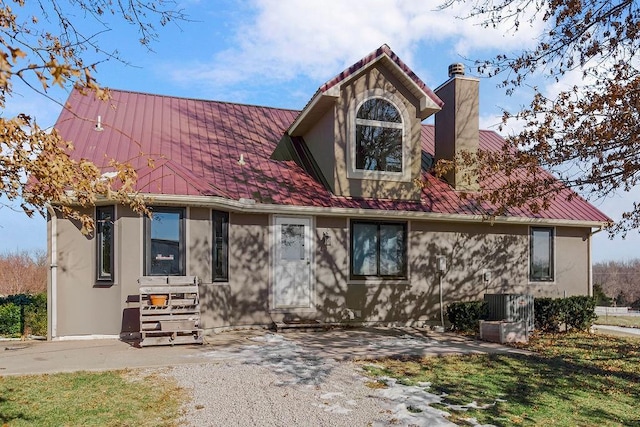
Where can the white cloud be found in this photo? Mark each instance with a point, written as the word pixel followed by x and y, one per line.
pixel 289 38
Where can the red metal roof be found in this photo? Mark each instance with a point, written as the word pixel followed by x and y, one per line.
pixel 195 146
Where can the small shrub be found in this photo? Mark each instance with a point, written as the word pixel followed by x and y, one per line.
pixel 464 316
pixel 34 310
pixel 576 312
pixel 548 314
pixel 9 319
pixel 579 312
pixel 35 315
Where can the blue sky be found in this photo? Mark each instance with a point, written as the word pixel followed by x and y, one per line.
pixel 278 52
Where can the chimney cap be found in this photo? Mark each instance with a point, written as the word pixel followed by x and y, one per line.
pixel 456 69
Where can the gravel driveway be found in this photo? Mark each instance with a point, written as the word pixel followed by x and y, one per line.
pixel 281 382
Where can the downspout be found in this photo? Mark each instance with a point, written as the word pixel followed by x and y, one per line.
pixel 590 278
pixel 53 274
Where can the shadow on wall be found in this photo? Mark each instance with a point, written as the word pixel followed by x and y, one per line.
pixel 467 254
pixel 244 300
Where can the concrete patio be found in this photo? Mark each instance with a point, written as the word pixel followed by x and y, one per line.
pixel 37 357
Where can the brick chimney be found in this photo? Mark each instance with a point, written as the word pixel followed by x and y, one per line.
pixel 457 125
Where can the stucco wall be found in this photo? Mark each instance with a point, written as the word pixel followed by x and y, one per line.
pixel 470 250
pixel 86 307
pixel 83 305
pixel 128 267
pixel 244 300
pixel 199 249
pixel 320 141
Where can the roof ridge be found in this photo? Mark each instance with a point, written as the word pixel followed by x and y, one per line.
pixel 372 57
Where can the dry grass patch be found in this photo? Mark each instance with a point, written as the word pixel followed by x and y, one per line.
pixel 116 398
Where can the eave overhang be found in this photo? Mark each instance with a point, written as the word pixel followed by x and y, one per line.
pixel 251 207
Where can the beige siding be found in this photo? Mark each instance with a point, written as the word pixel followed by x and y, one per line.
pixel 244 300
pixel 86 308
pixel 129 267
pixel 320 140
pixel 332 268
pixel 199 249
pixel 572 263
pixel 470 250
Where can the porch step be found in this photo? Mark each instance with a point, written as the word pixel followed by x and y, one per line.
pixel 300 325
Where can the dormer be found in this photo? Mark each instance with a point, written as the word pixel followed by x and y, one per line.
pixel 362 129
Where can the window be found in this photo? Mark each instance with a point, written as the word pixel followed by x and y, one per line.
pixel 378 137
pixel 541 254
pixel 104 242
pixel 220 246
pixel 164 246
pixel 378 249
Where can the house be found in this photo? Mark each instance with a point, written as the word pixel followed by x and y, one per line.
pixel 311 214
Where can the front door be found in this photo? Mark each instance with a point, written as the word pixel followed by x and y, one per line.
pixel 292 263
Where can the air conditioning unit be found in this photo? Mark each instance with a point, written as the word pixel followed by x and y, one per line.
pixel 511 308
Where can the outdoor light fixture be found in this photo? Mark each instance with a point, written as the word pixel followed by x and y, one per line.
pixel 486 276
pixel 326 239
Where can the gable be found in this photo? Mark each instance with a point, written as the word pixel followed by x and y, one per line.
pixel 363 156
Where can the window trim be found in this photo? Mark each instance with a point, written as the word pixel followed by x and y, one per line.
pixel 225 245
pixel 99 237
pixel 405 230
pixel 552 253
pixel 354 107
pixel 181 238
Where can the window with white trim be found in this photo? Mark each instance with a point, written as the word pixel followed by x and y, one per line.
pixel 541 268
pixel 379 137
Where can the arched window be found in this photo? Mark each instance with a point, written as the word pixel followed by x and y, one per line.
pixel 378 137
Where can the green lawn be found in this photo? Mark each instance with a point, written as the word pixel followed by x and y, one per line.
pixel 117 398
pixel 572 380
pixel 629 321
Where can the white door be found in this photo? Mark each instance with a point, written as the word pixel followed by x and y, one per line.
pixel 292 263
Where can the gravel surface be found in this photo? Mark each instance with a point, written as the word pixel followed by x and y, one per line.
pixel 277 382
pixel 236 394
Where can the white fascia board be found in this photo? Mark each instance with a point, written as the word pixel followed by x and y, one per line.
pixel 311 106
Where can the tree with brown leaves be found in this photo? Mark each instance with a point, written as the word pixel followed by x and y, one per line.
pixel 43 44
pixel 587 135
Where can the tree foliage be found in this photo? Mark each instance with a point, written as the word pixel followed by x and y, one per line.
pixel 49 43
pixel 618 280
pixel 23 272
pixel 587 134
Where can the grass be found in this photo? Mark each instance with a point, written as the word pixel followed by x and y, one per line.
pixel 116 398
pixel 573 379
pixel 628 321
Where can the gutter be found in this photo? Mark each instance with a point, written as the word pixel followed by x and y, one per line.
pixel 52 303
pixel 250 206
